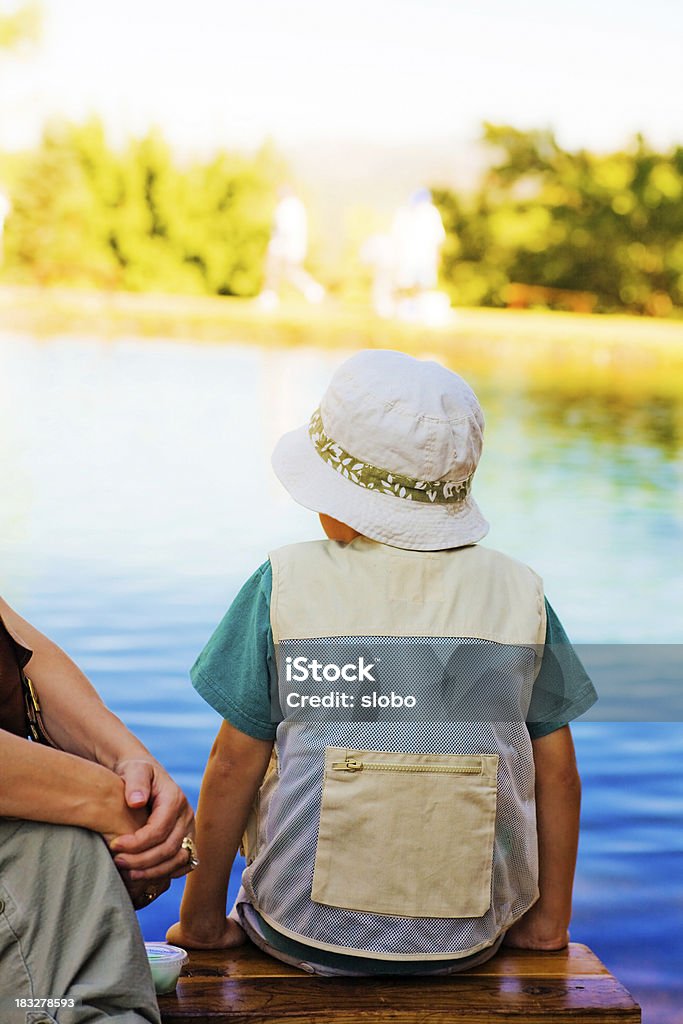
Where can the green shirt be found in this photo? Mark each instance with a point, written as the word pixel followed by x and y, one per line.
pixel 236 673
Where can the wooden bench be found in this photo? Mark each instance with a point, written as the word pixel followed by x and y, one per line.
pixel 245 986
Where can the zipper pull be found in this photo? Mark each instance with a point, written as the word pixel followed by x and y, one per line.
pixel 33 694
pixel 349 765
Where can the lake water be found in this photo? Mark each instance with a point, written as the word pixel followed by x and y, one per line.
pixel 136 496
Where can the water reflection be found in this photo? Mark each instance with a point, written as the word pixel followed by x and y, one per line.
pixel 136 496
pixel 652 420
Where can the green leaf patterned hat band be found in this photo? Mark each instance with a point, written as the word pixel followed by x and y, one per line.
pixel 391 451
pixel 364 474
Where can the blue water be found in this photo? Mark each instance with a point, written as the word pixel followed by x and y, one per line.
pixel 136 496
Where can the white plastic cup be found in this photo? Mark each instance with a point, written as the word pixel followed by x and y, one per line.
pixel 165 962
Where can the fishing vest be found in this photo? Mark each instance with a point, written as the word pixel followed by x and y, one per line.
pixel 398 818
pixel 13 657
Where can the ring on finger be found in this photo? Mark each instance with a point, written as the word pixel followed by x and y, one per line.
pixel 150 894
pixel 193 860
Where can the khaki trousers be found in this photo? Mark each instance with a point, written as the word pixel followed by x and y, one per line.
pixel 68 931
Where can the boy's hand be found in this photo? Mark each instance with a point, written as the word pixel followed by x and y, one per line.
pixel 535 935
pixel 225 936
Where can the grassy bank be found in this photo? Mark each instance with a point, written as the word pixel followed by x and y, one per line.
pixel 505 341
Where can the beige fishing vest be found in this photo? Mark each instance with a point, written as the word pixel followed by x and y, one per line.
pixel 395 832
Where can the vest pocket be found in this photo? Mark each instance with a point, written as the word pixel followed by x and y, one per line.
pixel 409 835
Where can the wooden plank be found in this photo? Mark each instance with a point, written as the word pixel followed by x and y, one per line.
pixel 369 1000
pixel 245 986
pixel 244 962
pixel 250 962
pixel 574 961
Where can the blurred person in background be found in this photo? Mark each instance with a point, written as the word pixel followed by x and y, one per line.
pixel 378 252
pixel 418 234
pixel 287 251
pixel 5 210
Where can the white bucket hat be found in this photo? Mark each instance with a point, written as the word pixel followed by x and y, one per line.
pixel 391 452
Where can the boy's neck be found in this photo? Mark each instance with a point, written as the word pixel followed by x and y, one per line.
pixel 336 530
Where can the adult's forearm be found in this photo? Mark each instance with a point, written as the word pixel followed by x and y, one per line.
pixel 42 784
pixel 75 716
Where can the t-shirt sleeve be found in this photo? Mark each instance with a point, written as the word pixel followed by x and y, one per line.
pixel 563 689
pixel 236 670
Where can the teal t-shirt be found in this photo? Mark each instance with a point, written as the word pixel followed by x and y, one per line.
pixel 236 674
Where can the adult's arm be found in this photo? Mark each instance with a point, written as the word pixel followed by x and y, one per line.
pixel 42 784
pixel 558 802
pixel 82 726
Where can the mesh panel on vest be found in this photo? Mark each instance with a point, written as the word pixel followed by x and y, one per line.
pixel 279 880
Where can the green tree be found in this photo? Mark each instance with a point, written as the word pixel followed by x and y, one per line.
pixel 610 225
pixel 22 25
pixel 86 214
pixel 56 230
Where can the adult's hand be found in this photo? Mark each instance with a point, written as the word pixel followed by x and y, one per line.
pixel 143 893
pixel 154 850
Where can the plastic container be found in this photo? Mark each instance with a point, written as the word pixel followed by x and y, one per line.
pixel 165 962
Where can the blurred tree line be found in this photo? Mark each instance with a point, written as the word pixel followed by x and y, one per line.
pixel 85 214
pixel 609 226
pixel 606 227
pixel 21 25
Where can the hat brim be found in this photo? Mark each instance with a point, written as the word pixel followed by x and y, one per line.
pixel 417 526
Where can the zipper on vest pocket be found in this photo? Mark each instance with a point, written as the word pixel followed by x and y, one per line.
pixel 351 765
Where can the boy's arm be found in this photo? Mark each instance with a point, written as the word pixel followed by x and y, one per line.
pixel 236 766
pixel 558 801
